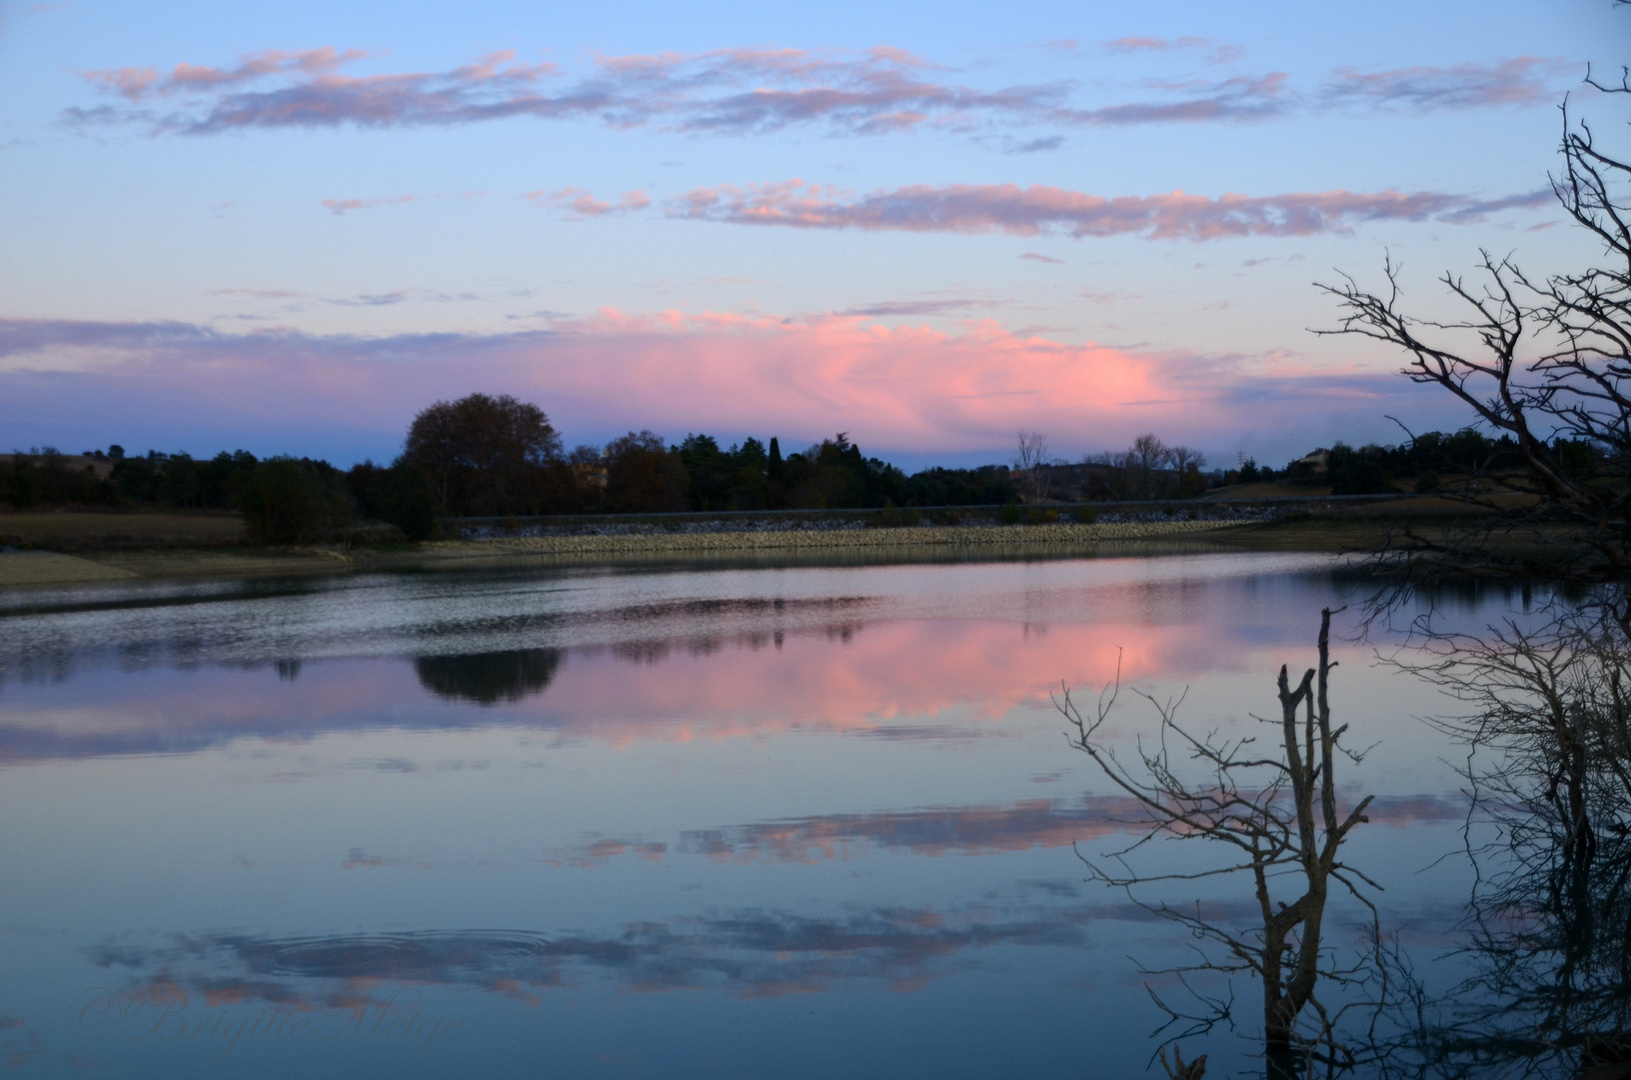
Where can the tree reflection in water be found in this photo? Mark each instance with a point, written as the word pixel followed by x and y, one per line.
pixel 489 678
pixel 1548 931
pixel 1275 814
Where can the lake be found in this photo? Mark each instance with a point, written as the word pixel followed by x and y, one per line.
pixel 671 821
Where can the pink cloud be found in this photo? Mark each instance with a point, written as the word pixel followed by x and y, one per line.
pixel 1479 210
pixel 734 90
pixel 978 208
pixel 345 206
pixel 899 389
pixel 886 309
pixel 585 205
pixel 137 83
pixel 313 94
pixel 1137 44
pixel 1131 45
pixel 1524 80
pixel 938 831
pixel 739 91
pixel 1246 97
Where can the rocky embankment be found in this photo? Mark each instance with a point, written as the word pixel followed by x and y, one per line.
pixel 1058 534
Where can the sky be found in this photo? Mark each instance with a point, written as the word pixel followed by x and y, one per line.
pixel 289 227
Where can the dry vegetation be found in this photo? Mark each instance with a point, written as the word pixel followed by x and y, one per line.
pixel 82 531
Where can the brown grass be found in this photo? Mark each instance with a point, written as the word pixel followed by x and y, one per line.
pixel 71 462
pixel 1267 489
pixel 86 530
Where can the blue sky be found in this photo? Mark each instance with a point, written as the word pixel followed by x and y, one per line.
pixel 289 227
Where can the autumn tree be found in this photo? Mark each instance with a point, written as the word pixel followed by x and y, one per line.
pixel 642 477
pixel 483 455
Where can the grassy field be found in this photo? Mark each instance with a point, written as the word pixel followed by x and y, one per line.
pixel 88 531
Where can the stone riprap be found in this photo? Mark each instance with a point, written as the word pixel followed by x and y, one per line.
pixel 533 528
pixel 1060 534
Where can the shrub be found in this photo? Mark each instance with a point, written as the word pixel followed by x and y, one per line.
pixel 642 477
pixel 1358 477
pixel 1011 514
pixel 1086 515
pixel 894 516
pixel 293 501
pixel 1428 482
pixel 399 495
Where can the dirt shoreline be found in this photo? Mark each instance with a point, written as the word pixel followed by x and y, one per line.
pixel 34 568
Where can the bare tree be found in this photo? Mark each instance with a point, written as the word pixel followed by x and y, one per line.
pixel 1185 458
pixel 1546 363
pixel 1031 460
pixel 1279 816
pixel 1548 929
pixel 1186 467
pixel 1148 469
pixel 1146 458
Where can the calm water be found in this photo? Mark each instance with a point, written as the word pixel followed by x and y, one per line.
pixel 796 822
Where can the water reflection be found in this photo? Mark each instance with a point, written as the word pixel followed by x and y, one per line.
pixel 488 678
pixel 803 804
pixel 944 830
pixel 897 679
pixel 1547 936
pixel 748 953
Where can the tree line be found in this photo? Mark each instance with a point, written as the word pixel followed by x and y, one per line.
pixel 1422 463
pixel 487 456
pixel 493 456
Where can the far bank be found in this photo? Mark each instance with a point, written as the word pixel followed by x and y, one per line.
pixel 45 548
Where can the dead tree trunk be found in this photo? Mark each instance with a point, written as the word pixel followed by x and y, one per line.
pixel 1280 813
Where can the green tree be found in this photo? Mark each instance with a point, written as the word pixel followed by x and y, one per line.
pixel 289 500
pixel 749 483
pixel 710 470
pixel 835 474
pixel 989 485
pixel 398 495
pixel 220 477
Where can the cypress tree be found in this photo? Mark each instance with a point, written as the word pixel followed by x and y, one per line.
pixel 775 471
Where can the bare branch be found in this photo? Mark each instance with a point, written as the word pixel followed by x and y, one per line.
pixel 1280 818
